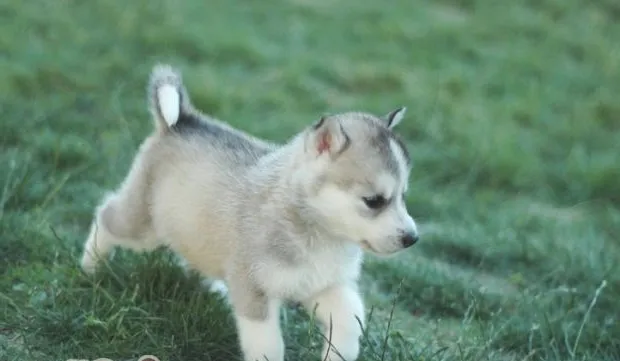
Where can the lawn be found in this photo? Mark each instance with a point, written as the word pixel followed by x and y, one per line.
pixel 513 125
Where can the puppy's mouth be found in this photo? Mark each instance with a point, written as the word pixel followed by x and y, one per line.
pixel 366 246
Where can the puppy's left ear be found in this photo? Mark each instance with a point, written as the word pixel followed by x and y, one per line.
pixel 394 117
pixel 328 136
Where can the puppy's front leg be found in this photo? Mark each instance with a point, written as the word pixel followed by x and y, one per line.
pixel 258 324
pixel 341 310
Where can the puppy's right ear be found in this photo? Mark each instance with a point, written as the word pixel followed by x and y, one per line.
pixel 328 137
pixel 394 117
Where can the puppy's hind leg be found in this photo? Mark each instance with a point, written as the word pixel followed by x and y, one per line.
pixel 99 243
pixel 123 219
pixel 104 236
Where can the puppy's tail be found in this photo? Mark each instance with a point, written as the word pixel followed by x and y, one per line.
pixel 168 99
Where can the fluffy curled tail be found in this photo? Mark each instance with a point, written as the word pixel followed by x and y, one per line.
pixel 168 99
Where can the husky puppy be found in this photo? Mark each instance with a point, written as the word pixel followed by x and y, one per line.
pixel 273 222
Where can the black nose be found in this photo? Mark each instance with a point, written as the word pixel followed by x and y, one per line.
pixel 409 239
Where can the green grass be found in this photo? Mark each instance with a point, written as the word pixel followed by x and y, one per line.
pixel 513 124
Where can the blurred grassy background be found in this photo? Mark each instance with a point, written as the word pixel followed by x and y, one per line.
pixel 513 126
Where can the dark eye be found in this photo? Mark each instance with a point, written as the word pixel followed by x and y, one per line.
pixel 375 202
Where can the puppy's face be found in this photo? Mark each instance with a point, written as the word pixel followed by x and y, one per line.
pixel 358 175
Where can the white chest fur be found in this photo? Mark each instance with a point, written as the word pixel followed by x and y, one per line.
pixel 316 272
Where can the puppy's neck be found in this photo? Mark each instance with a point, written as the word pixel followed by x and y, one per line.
pixel 284 179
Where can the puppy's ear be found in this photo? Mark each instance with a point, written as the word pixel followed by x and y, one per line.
pixel 394 117
pixel 328 136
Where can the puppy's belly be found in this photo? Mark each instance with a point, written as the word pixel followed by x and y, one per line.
pixel 203 238
pixel 208 261
pixel 205 246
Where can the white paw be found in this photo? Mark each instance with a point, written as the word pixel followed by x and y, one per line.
pixel 218 287
pixel 261 340
pixel 263 347
pixel 88 264
pixel 346 351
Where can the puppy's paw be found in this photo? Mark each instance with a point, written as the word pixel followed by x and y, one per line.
pixel 345 355
pixel 219 287
pixel 88 263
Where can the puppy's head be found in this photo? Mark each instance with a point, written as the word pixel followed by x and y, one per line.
pixel 355 173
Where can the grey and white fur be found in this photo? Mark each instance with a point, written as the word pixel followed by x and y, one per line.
pixel 272 222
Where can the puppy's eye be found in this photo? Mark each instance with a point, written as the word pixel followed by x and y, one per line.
pixel 375 202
